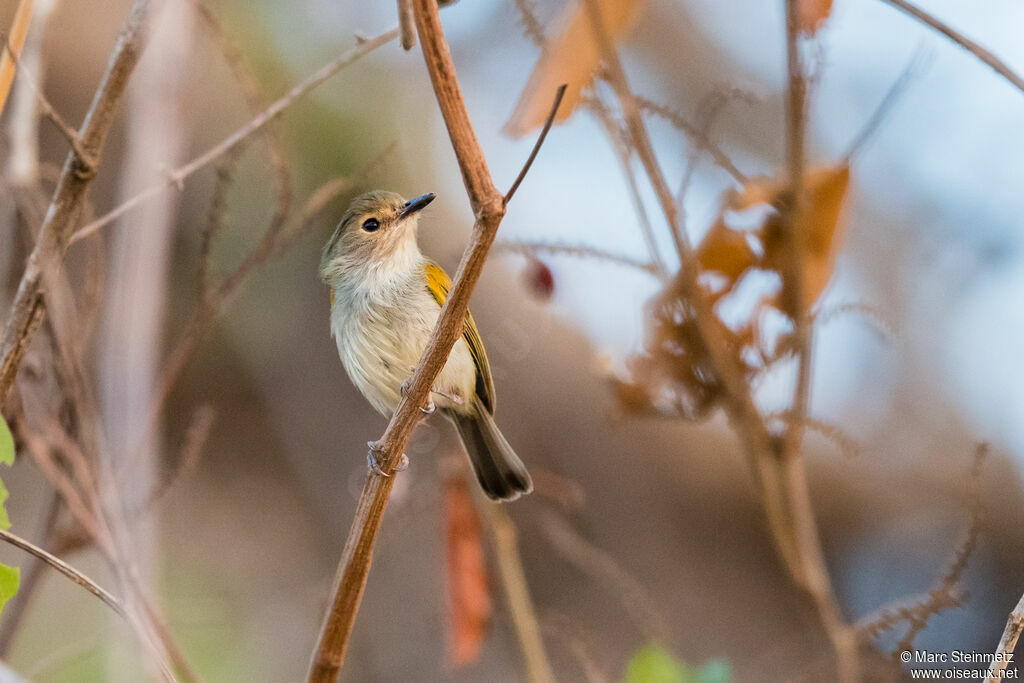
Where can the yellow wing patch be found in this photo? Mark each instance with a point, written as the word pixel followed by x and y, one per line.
pixel 438 284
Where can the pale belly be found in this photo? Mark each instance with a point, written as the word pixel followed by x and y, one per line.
pixel 380 346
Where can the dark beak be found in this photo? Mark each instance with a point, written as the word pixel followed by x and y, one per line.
pixel 416 204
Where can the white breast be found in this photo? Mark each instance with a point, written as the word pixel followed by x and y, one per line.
pixel 381 337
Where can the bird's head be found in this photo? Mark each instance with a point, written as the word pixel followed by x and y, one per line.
pixel 377 234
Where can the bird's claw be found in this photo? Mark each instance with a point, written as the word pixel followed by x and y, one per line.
pixel 429 407
pixel 373 460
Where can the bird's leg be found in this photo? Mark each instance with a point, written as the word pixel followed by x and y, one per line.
pixel 373 459
pixel 428 408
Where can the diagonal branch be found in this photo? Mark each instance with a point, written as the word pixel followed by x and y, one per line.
pixel 997 65
pixel 1007 644
pixel 65 569
pixel 177 177
pixel 27 309
pixel 488 208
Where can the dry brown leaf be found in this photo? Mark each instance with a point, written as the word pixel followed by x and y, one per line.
pixel 812 14
pixel 572 58
pixel 15 41
pixel 822 230
pixel 726 251
pixel 468 591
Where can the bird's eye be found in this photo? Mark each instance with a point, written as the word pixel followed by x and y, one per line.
pixel 371 224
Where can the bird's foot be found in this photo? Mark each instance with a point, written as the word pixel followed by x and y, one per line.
pixel 374 458
pixel 428 408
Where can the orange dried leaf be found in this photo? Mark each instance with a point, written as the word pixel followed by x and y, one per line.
pixel 812 14
pixel 726 251
pixel 822 228
pixel 572 57
pixel 468 592
pixel 15 41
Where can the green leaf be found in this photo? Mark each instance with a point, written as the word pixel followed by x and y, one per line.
pixel 6 458
pixel 6 444
pixel 654 664
pixel 10 579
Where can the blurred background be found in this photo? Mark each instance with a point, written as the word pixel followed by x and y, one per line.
pixel 642 529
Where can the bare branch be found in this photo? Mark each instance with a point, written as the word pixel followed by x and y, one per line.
pixel 67 570
pixel 517 593
pixel 602 567
pixel 488 209
pixel 407 24
pixel 698 136
pixel 620 145
pixel 1007 644
pixel 533 248
pixel 178 175
pixel 559 94
pixel 960 39
pixel 48 110
pixel 27 308
pixel 531 25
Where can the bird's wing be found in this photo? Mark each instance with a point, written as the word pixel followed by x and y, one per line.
pixel 438 284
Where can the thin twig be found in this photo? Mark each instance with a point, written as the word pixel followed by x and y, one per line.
pixel 947 591
pixel 15 611
pixel 782 482
pixel 579 251
pixel 48 110
pixel 407 24
pixel 67 570
pixel 593 560
pixel 812 572
pixel 27 308
pixel 517 591
pixel 559 94
pixel 531 25
pixel 960 39
pixel 178 175
pixel 488 208
pixel 699 137
pixel 620 145
pixel 1007 644
pixel 892 96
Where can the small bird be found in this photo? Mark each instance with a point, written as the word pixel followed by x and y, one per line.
pixel 386 297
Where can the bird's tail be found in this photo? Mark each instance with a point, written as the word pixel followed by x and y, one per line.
pixel 502 475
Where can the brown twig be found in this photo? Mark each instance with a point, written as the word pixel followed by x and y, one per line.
pixel 623 152
pixel 578 251
pixel 1007 644
pixel 15 611
pixel 67 570
pixel 812 572
pixel 517 592
pixel 488 209
pixel 782 482
pixel 699 137
pixel 531 25
pixel 27 308
pixel 178 175
pixel 960 39
pixel 559 94
pixel 602 567
pixel 407 24
pixel 48 110
pixel 947 592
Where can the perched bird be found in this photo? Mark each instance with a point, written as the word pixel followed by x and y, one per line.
pixel 386 297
